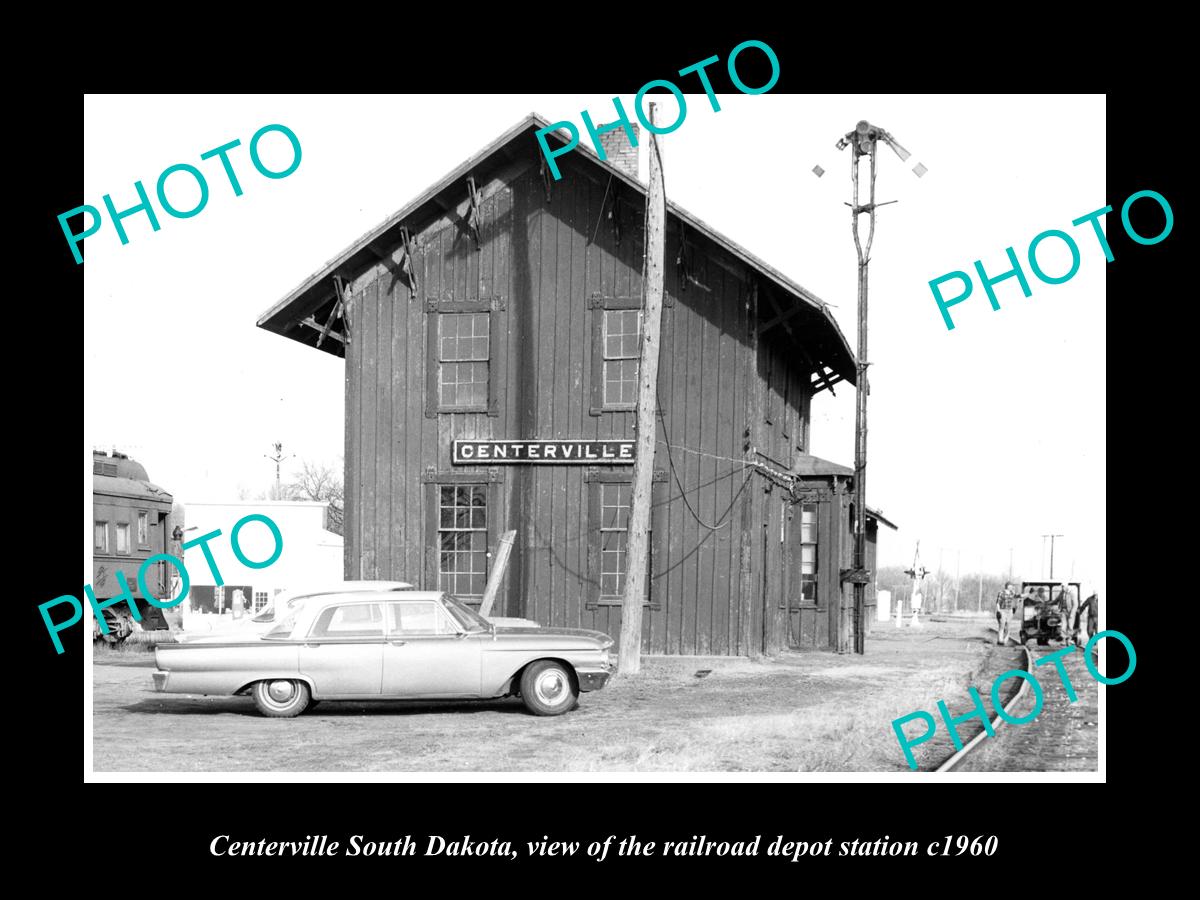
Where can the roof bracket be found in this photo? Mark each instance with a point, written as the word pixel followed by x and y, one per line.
pixel 408 262
pixel 683 260
pixel 473 214
pixel 544 171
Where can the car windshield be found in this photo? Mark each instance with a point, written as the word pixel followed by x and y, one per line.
pixel 467 617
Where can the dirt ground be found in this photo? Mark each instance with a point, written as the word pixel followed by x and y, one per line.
pixel 797 712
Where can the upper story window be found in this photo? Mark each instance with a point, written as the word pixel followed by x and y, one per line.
pixel 622 349
pixel 616 352
pixel 463 360
pixel 461 373
pixel 100 533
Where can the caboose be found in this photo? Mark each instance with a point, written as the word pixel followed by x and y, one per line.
pixel 131 521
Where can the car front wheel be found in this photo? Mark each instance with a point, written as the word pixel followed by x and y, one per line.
pixel 547 688
pixel 281 698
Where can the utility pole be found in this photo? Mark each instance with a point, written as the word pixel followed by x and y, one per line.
pixel 957 578
pixel 979 604
pixel 1052 537
pixel 863 141
pixel 1010 550
pixel 278 458
pixel 630 653
pixel 941 593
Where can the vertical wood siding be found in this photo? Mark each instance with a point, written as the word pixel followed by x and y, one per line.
pixel 538 258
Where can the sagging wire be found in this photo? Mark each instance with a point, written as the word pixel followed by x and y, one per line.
pixel 781 478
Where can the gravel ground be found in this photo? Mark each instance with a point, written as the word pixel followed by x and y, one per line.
pixel 796 712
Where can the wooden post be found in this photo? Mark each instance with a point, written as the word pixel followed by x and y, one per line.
pixel 499 566
pixel 630 658
pixel 750 643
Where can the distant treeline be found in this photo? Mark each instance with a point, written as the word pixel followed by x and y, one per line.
pixel 943 591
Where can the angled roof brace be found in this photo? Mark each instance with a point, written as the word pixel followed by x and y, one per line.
pixel 473 214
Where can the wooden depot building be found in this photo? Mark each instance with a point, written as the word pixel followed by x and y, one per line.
pixel 491 335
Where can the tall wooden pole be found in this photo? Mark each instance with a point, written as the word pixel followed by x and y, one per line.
pixel 636 555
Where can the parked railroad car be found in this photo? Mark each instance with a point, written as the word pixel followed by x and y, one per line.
pixel 131 521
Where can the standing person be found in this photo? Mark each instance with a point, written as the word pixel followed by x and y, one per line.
pixel 1068 606
pixel 1006 602
pixel 1092 607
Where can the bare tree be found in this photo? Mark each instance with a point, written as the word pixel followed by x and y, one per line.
pixel 321 482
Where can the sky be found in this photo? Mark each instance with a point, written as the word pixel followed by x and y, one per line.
pixel 982 439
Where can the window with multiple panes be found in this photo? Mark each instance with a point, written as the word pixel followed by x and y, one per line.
pixel 122 537
pixel 462 539
pixel 610 499
pixel 100 533
pixel 614 537
pixel 622 342
pixel 808 552
pixel 143 529
pixel 464 350
pixel 260 600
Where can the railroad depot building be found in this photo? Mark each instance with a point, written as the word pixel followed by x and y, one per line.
pixel 491 335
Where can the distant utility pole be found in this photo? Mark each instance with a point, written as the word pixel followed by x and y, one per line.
pixel 979 605
pixel 941 583
pixel 1010 550
pixel 1052 537
pixel 957 578
pixel 278 458
pixel 636 557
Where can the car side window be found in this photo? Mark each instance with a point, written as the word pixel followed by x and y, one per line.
pixel 350 621
pixel 419 618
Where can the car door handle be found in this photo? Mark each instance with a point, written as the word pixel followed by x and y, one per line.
pixel 397 643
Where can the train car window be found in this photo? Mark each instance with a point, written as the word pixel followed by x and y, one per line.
pixel 122 537
pixel 101 532
pixel 143 529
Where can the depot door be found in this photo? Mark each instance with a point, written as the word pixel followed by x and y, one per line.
pixel 806 619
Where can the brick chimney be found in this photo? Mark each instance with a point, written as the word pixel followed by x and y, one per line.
pixel 619 151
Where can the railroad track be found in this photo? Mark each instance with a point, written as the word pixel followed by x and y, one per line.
pixel 997 722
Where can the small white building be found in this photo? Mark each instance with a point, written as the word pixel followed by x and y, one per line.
pixel 311 555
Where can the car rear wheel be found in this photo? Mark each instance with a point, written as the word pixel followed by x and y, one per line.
pixel 281 698
pixel 547 688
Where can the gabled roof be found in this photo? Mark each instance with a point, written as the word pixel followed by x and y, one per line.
pixel 316 293
pixel 808 466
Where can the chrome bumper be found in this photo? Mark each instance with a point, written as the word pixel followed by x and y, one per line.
pixel 160 680
pixel 593 679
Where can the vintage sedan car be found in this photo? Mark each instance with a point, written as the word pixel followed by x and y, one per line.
pixel 390 645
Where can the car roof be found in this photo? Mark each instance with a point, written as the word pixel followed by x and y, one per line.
pixel 365 596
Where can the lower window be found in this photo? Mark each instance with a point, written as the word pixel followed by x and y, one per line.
pixel 808 552
pixel 462 539
pixel 611 499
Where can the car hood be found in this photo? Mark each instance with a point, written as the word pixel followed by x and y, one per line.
pixel 575 637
